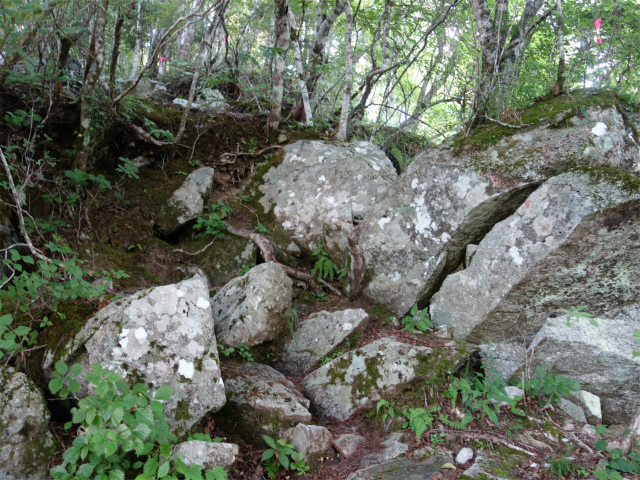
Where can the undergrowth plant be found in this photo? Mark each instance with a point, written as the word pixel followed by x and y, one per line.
pixel 282 454
pixel 417 319
pixel 419 419
pixel 617 463
pixel 549 385
pixel 122 430
pixel 324 267
pixel 213 222
pixel 388 409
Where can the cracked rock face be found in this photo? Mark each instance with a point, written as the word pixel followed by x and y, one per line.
pixel 361 377
pixel 159 336
pixel 187 202
pixel 26 445
pixel 447 198
pixel 319 188
pixel 600 358
pixel 261 401
pixel 317 336
pixel 570 243
pixel 250 309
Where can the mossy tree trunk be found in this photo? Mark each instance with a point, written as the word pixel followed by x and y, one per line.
pixel 282 43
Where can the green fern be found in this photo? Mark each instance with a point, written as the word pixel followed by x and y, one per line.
pixel 461 425
pixel 458 386
pixel 324 267
pixel 419 419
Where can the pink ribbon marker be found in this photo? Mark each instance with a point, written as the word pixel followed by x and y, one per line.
pixel 598 22
pixel 162 59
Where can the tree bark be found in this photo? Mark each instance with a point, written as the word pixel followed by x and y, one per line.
pixel 282 42
pixel 348 75
pixel 295 40
pixel 89 85
pixel 136 48
pixel 115 53
pixel 561 62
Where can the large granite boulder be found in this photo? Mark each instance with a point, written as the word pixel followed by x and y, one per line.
pixel 206 454
pixel 381 369
pixel 320 188
pixel 261 401
pixel 159 336
pixel 186 203
pixel 600 358
pixel 252 309
pixel 453 195
pixel 26 445
pixel 572 242
pixel 317 336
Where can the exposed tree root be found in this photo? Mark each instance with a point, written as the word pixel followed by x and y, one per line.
pixel 268 252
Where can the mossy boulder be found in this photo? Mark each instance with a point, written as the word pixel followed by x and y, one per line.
pixel 26 444
pixel 261 401
pixel 452 195
pixel 384 368
pixel 500 464
pixel 572 242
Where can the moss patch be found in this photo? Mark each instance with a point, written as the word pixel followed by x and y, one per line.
pixel 628 183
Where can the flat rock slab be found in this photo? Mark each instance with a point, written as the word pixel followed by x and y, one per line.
pixel 252 309
pixel 393 446
pixel 451 195
pixel 317 336
pixel 570 243
pixel 261 401
pixel 26 445
pixel 320 187
pixel 347 445
pixel 187 202
pixel 402 469
pixel 159 336
pixel 380 369
pixel 600 358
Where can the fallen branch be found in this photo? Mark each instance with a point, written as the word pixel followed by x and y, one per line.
pixel 144 135
pixel 490 436
pixel 267 250
pixel 195 253
pixel 249 154
pixel 507 124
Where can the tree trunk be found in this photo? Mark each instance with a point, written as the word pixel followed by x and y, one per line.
pixel 115 53
pixel 561 64
pixel 348 74
pixel 186 40
pixel 295 40
pixel 89 85
pixel 323 27
pixel 282 42
pixel 136 48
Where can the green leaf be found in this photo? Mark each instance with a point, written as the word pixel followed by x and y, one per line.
pixel 75 370
pixel 123 387
pixel 284 461
pixel 61 368
pixel 55 385
pixel 269 441
pixel 267 454
pixel 600 445
pixel 164 392
pixel 164 469
pixel 85 470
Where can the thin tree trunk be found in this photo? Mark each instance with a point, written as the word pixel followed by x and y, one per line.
pixel 89 85
pixel 295 40
pixel 115 53
pixel 192 90
pixel 561 63
pixel 282 42
pixel 136 48
pixel 348 74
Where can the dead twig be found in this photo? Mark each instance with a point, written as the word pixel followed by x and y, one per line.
pixel 507 124
pixel 195 253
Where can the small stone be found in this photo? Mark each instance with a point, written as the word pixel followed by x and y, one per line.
pixel 310 440
pixel 282 138
pixel 464 455
pixel 533 465
pixel 206 454
pixel 348 444
pixel 443 331
pixel 590 404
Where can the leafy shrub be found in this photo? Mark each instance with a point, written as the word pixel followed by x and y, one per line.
pixel 213 223
pixel 419 419
pixel 278 454
pixel 549 385
pixel 617 463
pixel 388 409
pixel 117 423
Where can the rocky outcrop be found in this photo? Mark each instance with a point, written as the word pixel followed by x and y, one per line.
pixel 380 369
pixel 317 336
pixel 570 243
pixel 158 336
pixel 320 188
pixel 186 203
pixel 261 401
pixel 600 358
pixel 252 309
pixel 453 195
pixel 405 469
pixel 26 444
pixel 206 454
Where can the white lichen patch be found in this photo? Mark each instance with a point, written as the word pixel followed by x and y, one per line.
pixel 141 334
pixel 202 303
pixel 600 129
pixel 186 368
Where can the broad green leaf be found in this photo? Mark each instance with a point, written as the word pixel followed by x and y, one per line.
pixel 164 392
pixel 61 368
